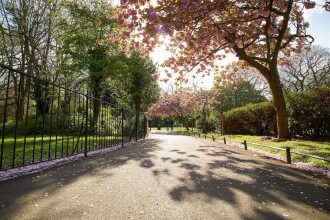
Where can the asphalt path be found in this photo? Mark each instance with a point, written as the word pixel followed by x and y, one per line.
pixel 168 177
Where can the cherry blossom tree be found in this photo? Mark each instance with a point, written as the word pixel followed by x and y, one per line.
pixel 200 32
pixel 180 104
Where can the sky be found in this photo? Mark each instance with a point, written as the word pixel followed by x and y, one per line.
pixel 318 19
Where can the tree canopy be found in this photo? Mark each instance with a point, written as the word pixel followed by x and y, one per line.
pixel 202 32
pixel 179 104
pixel 307 70
pixel 256 31
pixel 140 84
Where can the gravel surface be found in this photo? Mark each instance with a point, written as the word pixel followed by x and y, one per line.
pixel 167 177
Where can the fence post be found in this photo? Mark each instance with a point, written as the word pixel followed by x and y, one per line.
pixel 86 126
pixel 199 135
pixel 205 136
pixel 213 138
pixel 122 127
pixel 245 145
pixel 288 155
pixel 224 140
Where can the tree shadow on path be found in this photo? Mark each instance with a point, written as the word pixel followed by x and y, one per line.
pixel 16 193
pixel 213 175
pixel 272 189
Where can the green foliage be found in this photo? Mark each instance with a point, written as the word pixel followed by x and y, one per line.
pixel 231 96
pixel 310 113
pixel 211 122
pixel 309 116
pixel 90 58
pixel 99 63
pixel 142 89
pixel 63 122
pixel 85 31
pixel 253 119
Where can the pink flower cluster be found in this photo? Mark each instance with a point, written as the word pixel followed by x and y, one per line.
pixel 202 32
pixel 177 104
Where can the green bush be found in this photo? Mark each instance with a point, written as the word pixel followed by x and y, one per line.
pixel 310 113
pixel 45 124
pixel 211 122
pixel 252 119
pixel 309 116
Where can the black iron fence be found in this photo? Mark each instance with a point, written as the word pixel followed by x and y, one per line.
pixel 41 120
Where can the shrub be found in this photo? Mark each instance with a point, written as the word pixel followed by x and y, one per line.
pixel 310 113
pixel 309 116
pixel 252 119
pixel 45 124
pixel 211 122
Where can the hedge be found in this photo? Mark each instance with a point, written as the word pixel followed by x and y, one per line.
pixel 252 119
pixel 309 116
pixel 310 113
pixel 211 122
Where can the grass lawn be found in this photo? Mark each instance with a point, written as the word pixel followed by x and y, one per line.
pixel 38 148
pixel 175 129
pixel 317 148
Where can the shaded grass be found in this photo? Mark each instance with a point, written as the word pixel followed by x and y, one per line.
pixel 175 128
pixel 317 148
pixel 33 149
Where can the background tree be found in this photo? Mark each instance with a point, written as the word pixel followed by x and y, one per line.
pixel 77 45
pixel 27 29
pixel 86 27
pixel 235 87
pixel 140 82
pixel 232 96
pixel 256 31
pixel 140 86
pixel 307 70
pixel 205 116
pixel 180 105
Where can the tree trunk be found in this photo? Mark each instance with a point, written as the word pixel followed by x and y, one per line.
pixel 21 108
pixel 42 98
pixel 186 122
pixel 21 99
pixel 279 104
pixel 137 124
pixel 96 87
pixel 96 108
pixel 137 120
pixel 204 119
pixel 172 124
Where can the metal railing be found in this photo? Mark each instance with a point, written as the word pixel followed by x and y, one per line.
pixel 41 120
pixel 287 150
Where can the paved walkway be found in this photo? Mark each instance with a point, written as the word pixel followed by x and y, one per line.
pixel 167 177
